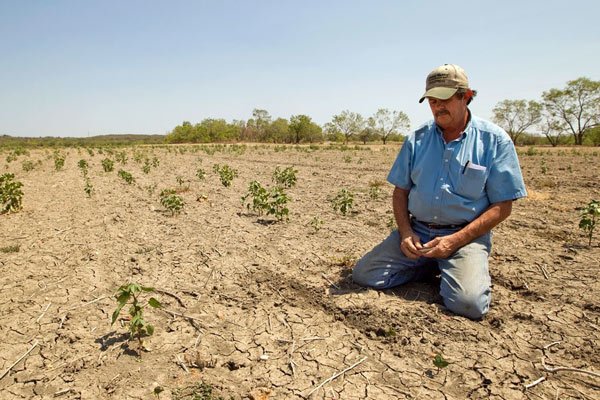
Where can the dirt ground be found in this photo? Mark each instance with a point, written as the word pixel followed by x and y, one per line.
pixel 260 310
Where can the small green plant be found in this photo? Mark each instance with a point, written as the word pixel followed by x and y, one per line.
pixel 226 173
pixel 316 223
pixel 270 202
pixel 28 165
pixel 285 177
pixel 83 166
pixel 589 217
pixel 88 188
pixel 126 176
pixel 343 201
pixel 121 157
pixel 130 293
pixel 531 151
pixel 543 166
pixel 11 195
pixel 10 249
pixel 200 174
pixel 198 391
pixel 440 362
pixel 108 165
pixel 146 167
pixel 171 201
pixel 59 160
pixel 375 190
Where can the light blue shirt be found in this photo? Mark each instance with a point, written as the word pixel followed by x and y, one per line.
pixel 453 183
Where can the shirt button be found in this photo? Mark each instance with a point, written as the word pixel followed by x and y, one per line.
pixel 445 160
pixel 435 217
pixel 437 197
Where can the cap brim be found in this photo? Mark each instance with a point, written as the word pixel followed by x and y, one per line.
pixel 442 93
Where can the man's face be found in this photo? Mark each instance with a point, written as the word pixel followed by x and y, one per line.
pixel 450 113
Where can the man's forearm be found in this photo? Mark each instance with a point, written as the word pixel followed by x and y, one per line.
pixel 400 206
pixel 481 225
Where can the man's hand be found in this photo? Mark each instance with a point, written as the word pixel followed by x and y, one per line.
pixel 440 247
pixel 411 245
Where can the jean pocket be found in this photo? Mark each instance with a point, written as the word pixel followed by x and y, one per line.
pixel 472 182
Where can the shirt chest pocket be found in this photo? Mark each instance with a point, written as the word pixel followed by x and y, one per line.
pixel 472 181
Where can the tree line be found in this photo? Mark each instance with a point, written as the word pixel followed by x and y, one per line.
pixel 563 116
pixel 385 125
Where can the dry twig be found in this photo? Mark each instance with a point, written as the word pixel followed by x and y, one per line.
pixel 335 376
pixel 20 358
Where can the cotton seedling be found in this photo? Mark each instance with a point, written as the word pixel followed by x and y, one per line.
pixel 11 195
pixel 375 189
pixel 83 166
pixel 343 201
pixel 589 218
pixel 316 223
pixel 226 173
pixel 285 178
pixel 108 165
pixel 200 174
pixel 28 165
pixel 271 202
pixel 88 188
pixel 440 362
pixel 171 201
pixel 130 294
pixel 126 176
pixel 121 157
pixel 59 160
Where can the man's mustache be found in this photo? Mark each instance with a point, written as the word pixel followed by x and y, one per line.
pixel 439 113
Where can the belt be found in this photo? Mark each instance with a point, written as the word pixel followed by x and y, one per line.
pixel 438 226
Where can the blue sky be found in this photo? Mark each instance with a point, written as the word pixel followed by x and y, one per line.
pixel 79 68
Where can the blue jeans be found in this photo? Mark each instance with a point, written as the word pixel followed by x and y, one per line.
pixel 466 283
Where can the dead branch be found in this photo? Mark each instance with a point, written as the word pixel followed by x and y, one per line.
pixel 335 376
pixel 20 358
pixel 43 312
pixel 173 295
pixel 537 381
pixel 329 281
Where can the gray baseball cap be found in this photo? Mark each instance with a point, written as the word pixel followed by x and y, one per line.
pixel 444 81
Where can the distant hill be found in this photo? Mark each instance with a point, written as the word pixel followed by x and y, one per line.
pixel 100 140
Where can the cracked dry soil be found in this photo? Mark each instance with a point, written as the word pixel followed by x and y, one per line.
pixel 261 310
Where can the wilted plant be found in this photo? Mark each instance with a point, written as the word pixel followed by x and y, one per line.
pixel 589 217
pixel 316 223
pixel 343 201
pixel 226 173
pixel 88 188
pixel 138 326
pixel 83 166
pixel 146 167
pixel 11 195
pixel 200 174
pixel 108 165
pixel 59 160
pixel 121 156
pixel 285 178
pixel 171 201
pixel 28 165
pixel 126 176
pixel 375 189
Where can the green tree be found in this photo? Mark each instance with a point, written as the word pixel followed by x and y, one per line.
pixel 576 107
pixel 348 123
pixel 516 116
pixel 256 127
pixel 387 123
pixel 368 132
pixel 278 131
pixel 303 129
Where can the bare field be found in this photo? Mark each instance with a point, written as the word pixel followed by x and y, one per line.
pixel 262 310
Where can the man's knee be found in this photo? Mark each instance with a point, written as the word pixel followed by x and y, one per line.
pixel 473 304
